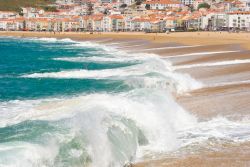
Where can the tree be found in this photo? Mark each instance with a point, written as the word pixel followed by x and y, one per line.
pixel 105 11
pixel 147 6
pixel 89 8
pixel 50 9
pixel 138 2
pixel 203 5
pixel 191 7
pixel 123 5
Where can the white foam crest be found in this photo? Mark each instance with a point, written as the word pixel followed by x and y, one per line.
pixel 117 72
pixel 219 128
pixel 201 53
pixel 164 123
pixel 175 82
pixel 51 40
pixel 66 40
pixel 12 111
pixel 130 46
pixel 93 59
pixel 118 56
pixel 19 154
pixel 80 74
pixel 155 107
pixel 88 44
pixel 44 39
pixel 229 83
pixel 171 47
pixel 85 44
pixel 153 65
pixel 120 43
pixel 221 63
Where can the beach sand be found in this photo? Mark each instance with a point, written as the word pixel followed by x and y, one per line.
pixel 226 91
pixel 188 38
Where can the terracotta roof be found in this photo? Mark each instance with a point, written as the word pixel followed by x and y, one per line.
pixel 97 17
pixel 116 16
pixel 141 19
pixel 170 18
pixel 154 20
pixel 240 12
pixel 7 20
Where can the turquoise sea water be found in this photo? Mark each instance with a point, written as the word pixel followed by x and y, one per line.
pixel 68 103
pixel 20 57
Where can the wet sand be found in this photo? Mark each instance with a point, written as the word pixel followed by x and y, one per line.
pixel 226 90
pixel 226 155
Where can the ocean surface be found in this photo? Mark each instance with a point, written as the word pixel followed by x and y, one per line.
pixel 65 103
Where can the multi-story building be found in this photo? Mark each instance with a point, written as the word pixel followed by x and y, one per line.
pixel 213 21
pixel 106 24
pixel 65 1
pixel 162 4
pixel 187 2
pixel 117 23
pixel 245 5
pixel 8 14
pixel 238 20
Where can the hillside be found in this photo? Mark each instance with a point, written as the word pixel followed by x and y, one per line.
pixel 14 5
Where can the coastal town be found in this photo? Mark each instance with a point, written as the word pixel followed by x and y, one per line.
pixel 131 16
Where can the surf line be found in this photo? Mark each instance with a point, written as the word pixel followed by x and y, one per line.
pixel 222 63
pixel 228 83
pixel 200 54
pixel 171 47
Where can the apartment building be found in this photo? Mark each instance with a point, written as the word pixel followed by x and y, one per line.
pixel 239 20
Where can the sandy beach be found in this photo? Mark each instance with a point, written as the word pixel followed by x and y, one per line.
pixel 220 60
pixel 188 38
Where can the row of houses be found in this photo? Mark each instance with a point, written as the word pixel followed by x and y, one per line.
pixel 152 23
pixel 238 20
pixel 82 23
pixel 149 16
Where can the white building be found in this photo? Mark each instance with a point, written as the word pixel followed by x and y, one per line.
pixel 9 24
pixel 106 23
pixel 239 20
pixel 3 24
pixel 246 4
pixel 128 2
pixel 187 2
pixel 162 4
pixel 8 14
pixel 65 2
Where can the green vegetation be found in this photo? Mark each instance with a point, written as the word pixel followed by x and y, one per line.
pixel 15 5
pixel 50 8
pixel 123 5
pixel 203 5
pixel 138 2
